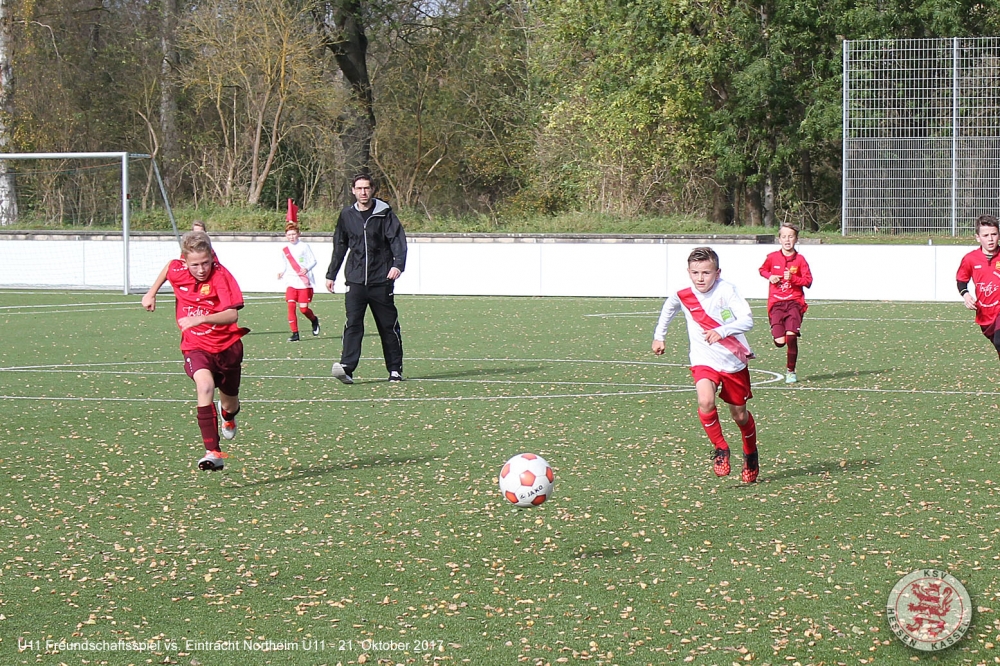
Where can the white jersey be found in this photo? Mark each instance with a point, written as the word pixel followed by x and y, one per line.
pixel 302 254
pixel 721 309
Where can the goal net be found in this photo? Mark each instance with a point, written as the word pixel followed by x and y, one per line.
pixel 84 221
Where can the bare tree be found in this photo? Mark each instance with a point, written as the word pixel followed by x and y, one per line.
pixel 253 66
pixel 168 93
pixel 341 26
pixel 8 194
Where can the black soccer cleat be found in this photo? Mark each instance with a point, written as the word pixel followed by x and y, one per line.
pixel 316 326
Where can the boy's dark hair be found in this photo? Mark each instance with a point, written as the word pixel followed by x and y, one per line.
pixel 195 241
pixel 987 221
pixel 703 254
pixel 362 176
pixel 198 223
pixel 789 225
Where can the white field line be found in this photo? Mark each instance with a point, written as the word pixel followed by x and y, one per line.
pixel 628 315
pixel 626 389
pixel 387 399
pixel 622 394
pixel 440 359
pixel 61 305
pixel 50 308
pixel 773 382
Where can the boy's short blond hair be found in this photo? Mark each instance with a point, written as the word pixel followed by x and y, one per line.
pixel 195 241
pixel 703 254
pixel 789 225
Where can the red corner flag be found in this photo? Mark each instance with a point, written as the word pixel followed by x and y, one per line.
pixel 293 212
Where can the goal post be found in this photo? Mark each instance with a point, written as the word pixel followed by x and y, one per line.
pixel 123 159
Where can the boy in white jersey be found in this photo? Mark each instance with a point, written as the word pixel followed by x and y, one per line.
pixel 297 262
pixel 717 319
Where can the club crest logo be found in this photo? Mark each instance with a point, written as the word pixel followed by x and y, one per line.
pixel 929 610
pixel 206 289
pixel 793 270
pixel 727 315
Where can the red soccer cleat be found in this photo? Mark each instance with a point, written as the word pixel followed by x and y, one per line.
pixel 721 462
pixel 750 468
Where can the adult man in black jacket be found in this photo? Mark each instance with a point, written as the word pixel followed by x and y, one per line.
pixel 377 244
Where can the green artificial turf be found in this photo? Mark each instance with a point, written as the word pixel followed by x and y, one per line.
pixel 364 523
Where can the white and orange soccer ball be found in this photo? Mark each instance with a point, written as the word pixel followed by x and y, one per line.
pixel 526 480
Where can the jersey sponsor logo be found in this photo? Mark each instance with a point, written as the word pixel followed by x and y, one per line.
pixel 727 315
pixel 929 610
pixel 986 288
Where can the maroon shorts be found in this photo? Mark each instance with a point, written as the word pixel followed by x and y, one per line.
pixel 734 387
pixel 992 333
pixel 299 295
pixel 225 366
pixel 785 317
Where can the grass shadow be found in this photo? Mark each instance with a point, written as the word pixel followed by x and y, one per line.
pixel 824 469
pixel 315 471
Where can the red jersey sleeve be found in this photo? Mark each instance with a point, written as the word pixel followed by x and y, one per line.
pixel 230 294
pixel 803 277
pixel 964 269
pixel 765 268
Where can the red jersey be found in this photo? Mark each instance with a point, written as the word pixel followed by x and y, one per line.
pixel 217 294
pixel 791 289
pixel 976 267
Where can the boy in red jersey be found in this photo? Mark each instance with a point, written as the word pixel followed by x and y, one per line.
pixel 717 320
pixel 980 268
pixel 208 300
pixel 788 274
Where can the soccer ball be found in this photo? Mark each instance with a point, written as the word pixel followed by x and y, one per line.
pixel 526 480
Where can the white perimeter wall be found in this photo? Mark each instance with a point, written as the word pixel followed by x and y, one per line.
pixel 512 267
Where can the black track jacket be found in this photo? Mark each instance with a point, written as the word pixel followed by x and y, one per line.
pixel 376 245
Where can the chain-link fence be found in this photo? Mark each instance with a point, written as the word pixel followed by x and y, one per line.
pixel 921 135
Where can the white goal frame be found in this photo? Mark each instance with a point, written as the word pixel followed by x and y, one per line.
pixel 124 157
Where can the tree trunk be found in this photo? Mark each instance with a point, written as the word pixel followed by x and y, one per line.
pixel 738 198
pixel 8 194
pixel 808 192
pixel 769 201
pixel 722 211
pixel 170 148
pixel 340 23
pixel 755 207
